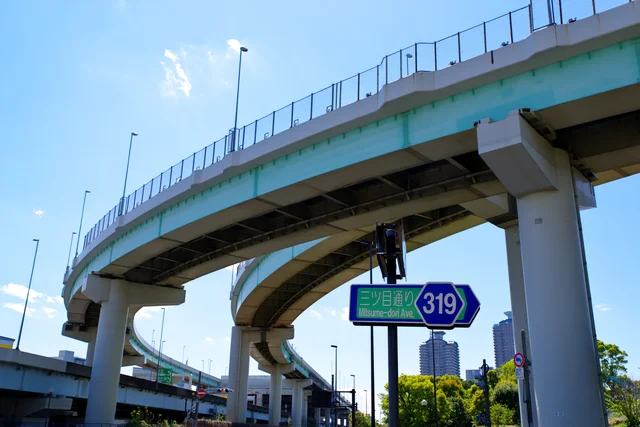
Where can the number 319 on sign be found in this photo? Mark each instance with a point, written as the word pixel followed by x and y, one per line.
pixel 444 303
pixel 439 304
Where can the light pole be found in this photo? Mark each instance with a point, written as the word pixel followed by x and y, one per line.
pixel 153 341
pixel 183 347
pixel 335 385
pixel 366 404
pixel 210 360
pixel 203 365
pixel 26 301
pixel 373 395
pixel 235 122
pixel 435 390
pixel 354 386
pixel 409 56
pixel 73 233
pixel 84 202
pixel 126 173
pixel 159 348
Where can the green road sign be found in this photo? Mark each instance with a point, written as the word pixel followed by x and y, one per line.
pixel 385 304
pixel 401 304
pixel 164 375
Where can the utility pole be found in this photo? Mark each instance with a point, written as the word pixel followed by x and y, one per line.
pixel 353 407
pixel 435 390
pixel 388 252
pixel 527 390
pixel 195 416
pixel 487 411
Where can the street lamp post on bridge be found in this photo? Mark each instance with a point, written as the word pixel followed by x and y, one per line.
pixel 126 174
pixel 235 122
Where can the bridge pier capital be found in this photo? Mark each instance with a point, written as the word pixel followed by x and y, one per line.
pixel 549 193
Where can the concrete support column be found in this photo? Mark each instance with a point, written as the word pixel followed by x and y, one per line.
pixel 275 390
pixel 115 296
pixel 305 407
pixel 519 309
pixel 238 375
pixel 275 399
pixel 241 339
pixel 318 416
pixel 563 356
pixel 297 405
pixel 107 361
pixel 91 349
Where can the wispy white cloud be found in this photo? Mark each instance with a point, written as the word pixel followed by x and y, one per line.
pixel 345 313
pixel 38 212
pixel 603 307
pixel 50 312
pixel 175 79
pixel 208 339
pixel 54 300
pixel 170 55
pixel 316 315
pixel 20 291
pixel 234 45
pixel 148 312
pixel 19 308
pixel 227 339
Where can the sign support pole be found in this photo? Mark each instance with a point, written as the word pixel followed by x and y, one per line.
pixel 392 332
pixel 487 411
pixel 195 416
pixel 527 391
pixel 373 387
pixel 435 390
pixel 353 407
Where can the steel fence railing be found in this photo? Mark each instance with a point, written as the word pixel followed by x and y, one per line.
pixel 419 57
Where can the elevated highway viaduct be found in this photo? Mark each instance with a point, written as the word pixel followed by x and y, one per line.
pixel 533 119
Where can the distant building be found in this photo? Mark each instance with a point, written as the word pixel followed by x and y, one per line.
pixel 447 356
pixel 503 346
pixel 69 356
pixel 6 342
pixel 475 375
pixel 472 374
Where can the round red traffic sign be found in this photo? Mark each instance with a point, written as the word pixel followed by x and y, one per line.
pixel 202 393
pixel 518 359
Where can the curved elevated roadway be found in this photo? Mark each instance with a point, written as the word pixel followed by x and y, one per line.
pixel 408 149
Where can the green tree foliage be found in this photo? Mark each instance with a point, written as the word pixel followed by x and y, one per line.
pixel 467 384
pixel 459 413
pixel 143 417
pixel 612 362
pixel 450 385
pixel 412 390
pixel 506 393
pixel 477 404
pixel 625 395
pixel 508 372
pixel 492 378
pixel 362 420
pixel 501 415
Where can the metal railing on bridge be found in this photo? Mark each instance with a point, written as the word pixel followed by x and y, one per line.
pixel 419 57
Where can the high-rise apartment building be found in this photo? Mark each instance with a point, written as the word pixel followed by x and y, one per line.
pixel 447 356
pixel 503 346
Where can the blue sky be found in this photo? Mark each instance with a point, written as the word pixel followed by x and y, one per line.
pixel 78 79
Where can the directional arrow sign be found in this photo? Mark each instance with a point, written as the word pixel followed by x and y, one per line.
pixel 471 306
pixel 439 305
